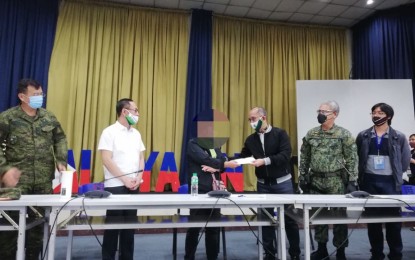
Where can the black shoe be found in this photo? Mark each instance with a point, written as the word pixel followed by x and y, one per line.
pixel 395 257
pixel 295 257
pixel 377 257
pixel 320 254
pixel 340 255
pixel 269 257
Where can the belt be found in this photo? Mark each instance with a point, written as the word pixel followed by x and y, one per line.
pixel 275 180
pixel 326 174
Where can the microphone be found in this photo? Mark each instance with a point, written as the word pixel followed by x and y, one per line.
pixel 219 194
pixel 344 167
pixel 358 194
pixel 217 191
pixel 115 177
pixel 103 193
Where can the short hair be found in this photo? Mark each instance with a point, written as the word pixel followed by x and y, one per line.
pixel 23 84
pixel 121 104
pixel 411 136
pixel 261 111
pixel 388 110
pixel 334 106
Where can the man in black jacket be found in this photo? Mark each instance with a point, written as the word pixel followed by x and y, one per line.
pixel 271 148
pixel 383 156
pixel 204 162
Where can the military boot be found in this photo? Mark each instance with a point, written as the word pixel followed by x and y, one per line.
pixel 340 255
pixel 320 253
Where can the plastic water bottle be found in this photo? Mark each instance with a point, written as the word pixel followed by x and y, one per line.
pixel 194 185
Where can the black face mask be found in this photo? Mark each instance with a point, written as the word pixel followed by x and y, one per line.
pixel 378 121
pixel 321 118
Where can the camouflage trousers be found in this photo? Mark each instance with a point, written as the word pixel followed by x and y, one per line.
pixel 34 236
pixel 321 184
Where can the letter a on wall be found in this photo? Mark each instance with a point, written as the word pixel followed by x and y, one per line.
pixel 165 176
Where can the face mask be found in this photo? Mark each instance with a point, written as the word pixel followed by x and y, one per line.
pixel 257 125
pixel 379 120
pixel 35 101
pixel 321 118
pixel 132 119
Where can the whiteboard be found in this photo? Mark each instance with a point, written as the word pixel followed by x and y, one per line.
pixel 355 99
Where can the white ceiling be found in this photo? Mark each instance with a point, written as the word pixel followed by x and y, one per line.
pixel 324 12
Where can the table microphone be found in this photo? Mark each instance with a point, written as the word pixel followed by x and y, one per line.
pixel 103 193
pixel 97 194
pixel 219 194
pixel 358 194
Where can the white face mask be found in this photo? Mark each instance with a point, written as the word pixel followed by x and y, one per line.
pixel 132 119
pixel 257 125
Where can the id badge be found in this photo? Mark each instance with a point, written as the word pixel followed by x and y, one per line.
pixel 379 162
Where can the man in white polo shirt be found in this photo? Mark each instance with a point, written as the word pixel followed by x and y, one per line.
pixel 121 149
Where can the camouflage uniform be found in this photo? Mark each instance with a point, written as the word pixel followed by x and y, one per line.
pixel 10 193
pixel 35 145
pixel 324 157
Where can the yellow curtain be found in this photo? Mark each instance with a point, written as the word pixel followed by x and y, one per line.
pixel 103 53
pixel 257 64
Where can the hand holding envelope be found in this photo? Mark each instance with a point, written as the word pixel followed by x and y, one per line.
pixel 251 161
pixel 247 160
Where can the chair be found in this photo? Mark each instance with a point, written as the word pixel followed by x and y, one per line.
pixel 409 190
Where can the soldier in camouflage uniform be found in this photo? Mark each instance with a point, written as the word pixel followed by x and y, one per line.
pixel 328 165
pixel 34 142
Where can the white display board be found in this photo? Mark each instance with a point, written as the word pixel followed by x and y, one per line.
pixel 355 98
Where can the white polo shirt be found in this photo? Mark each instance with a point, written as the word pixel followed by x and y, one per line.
pixel 126 146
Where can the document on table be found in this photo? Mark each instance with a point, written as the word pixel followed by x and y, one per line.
pixel 246 160
pixel 249 196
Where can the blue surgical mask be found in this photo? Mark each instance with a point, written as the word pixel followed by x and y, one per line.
pixel 36 102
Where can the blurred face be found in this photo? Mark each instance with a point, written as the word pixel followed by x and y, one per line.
pixel 213 128
pixel 412 141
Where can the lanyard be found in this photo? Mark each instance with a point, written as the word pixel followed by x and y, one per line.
pixel 379 141
pixel 213 153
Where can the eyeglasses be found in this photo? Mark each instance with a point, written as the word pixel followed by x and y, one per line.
pixel 324 112
pixel 253 119
pixel 36 95
pixel 135 110
pixel 377 113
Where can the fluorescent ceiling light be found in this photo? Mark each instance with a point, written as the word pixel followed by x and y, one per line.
pixel 369 2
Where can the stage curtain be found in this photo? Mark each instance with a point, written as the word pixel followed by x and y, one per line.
pixel 105 52
pixel 199 78
pixel 257 64
pixel 27 31
pixel 384 45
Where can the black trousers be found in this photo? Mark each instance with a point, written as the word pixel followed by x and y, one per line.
pixel 126 236
pixel 211 234
pixel 378 184
pixel 269 238
pixel 34 236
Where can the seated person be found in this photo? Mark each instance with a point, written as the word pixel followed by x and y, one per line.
pixel 8 182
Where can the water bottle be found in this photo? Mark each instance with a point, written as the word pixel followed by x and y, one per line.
pixel 194 185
